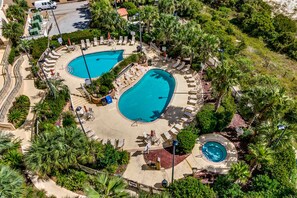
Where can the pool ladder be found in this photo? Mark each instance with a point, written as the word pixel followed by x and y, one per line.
pixel 134 123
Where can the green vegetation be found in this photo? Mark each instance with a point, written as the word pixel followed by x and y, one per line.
pixel 186 140
pixel 18 112
pixel 68 119
pixel 102 85
pixel 67 154
pixel 11 56
pixel 190 187
pixel 209 120
pixel 12 169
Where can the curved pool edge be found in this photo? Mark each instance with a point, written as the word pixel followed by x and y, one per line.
pixel 120 93
pixel 88 53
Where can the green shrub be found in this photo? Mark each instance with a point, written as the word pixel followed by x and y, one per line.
pixel 129 5
pixel 191 187
pixel 19 111
pixel 225 112
pixel 186 140
pixel 206 119
pixel 68 119
pixel 11 56
pixel 132 12
pixel 72 180
pixel 124 157
pixel 103 84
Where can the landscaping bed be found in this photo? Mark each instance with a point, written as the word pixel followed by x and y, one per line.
pixel 19 111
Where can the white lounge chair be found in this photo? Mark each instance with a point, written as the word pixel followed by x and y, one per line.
pixel 167 135
pixel 181 66
pixel 188 114
pixel 113 142
pixel 189 109
pixel 174 131
pixel 125 40
pixel 88 43
pixel 193 97
pixel 186 119
pixel 120 40
pixel 49 61
pixel 50 55
pixel 70 48
pixel 192 84
pixel 192 102
pixel 121 143
pixel 132 41
pixel 187 68
pixel 101 40
pixel 45 64
pixel 190 75
pixel 83 44
pixel 176 64
pixel 191 80
pixel 48 70
pixel 55 53
pixel 178 127
pixel 104 141
pixel 95 41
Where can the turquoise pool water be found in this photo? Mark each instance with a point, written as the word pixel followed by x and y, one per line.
pixel 147 100
pixel 214 151
pixel 98 63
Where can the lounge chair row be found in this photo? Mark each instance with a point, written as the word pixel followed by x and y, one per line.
pixel 116 143
pixel 188 117
pixel 181 66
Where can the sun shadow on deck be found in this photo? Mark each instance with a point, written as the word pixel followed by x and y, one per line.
pixel 173 114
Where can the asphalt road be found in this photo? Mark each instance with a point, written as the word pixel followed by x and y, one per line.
pixel 70 17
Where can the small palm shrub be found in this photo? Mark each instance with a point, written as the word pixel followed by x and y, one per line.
pixel 186 140
pixel 19 111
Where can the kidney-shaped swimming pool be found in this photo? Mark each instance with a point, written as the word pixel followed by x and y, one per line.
pixel 147 100
pixel 98 63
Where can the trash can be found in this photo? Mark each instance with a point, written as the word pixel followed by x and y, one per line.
pixel 103 101
pixel 149 62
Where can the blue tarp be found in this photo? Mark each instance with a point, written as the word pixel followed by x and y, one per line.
pixel 108 99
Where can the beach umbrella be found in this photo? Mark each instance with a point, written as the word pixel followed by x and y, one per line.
pixel 69 42
pixel 108 36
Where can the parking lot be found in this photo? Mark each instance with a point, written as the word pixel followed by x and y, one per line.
pixel 70 17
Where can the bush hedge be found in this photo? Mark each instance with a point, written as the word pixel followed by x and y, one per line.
pixel 11 56
pixel 102 85
pixel 186 140
pixel 208 120
pixel 68 119
pixel 19 111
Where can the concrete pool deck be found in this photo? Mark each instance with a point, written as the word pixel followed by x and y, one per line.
pixel 109 123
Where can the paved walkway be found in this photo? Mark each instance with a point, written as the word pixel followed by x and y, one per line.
pixel 24 133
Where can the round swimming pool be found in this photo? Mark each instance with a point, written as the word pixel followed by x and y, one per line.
pixel 98 63
pixel 147 100
pixel 214 151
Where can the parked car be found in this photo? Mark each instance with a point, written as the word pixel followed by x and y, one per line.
pixel 45 5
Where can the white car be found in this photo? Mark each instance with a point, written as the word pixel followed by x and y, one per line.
pixel 45 5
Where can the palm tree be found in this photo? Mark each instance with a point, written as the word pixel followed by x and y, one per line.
pixel 223 77
pixel 25 45
pixel 165 27
pixel 7 143
pixel 208 45
pixel 15 116
pixel 265 102
pixel 11 182
pixel 259 155
pixel 59 150
pixel 270 133
pixel 240 172
pixel 13 31
pixel 109 187
pixel 166 6
pixel 149 15
pixel 58 87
